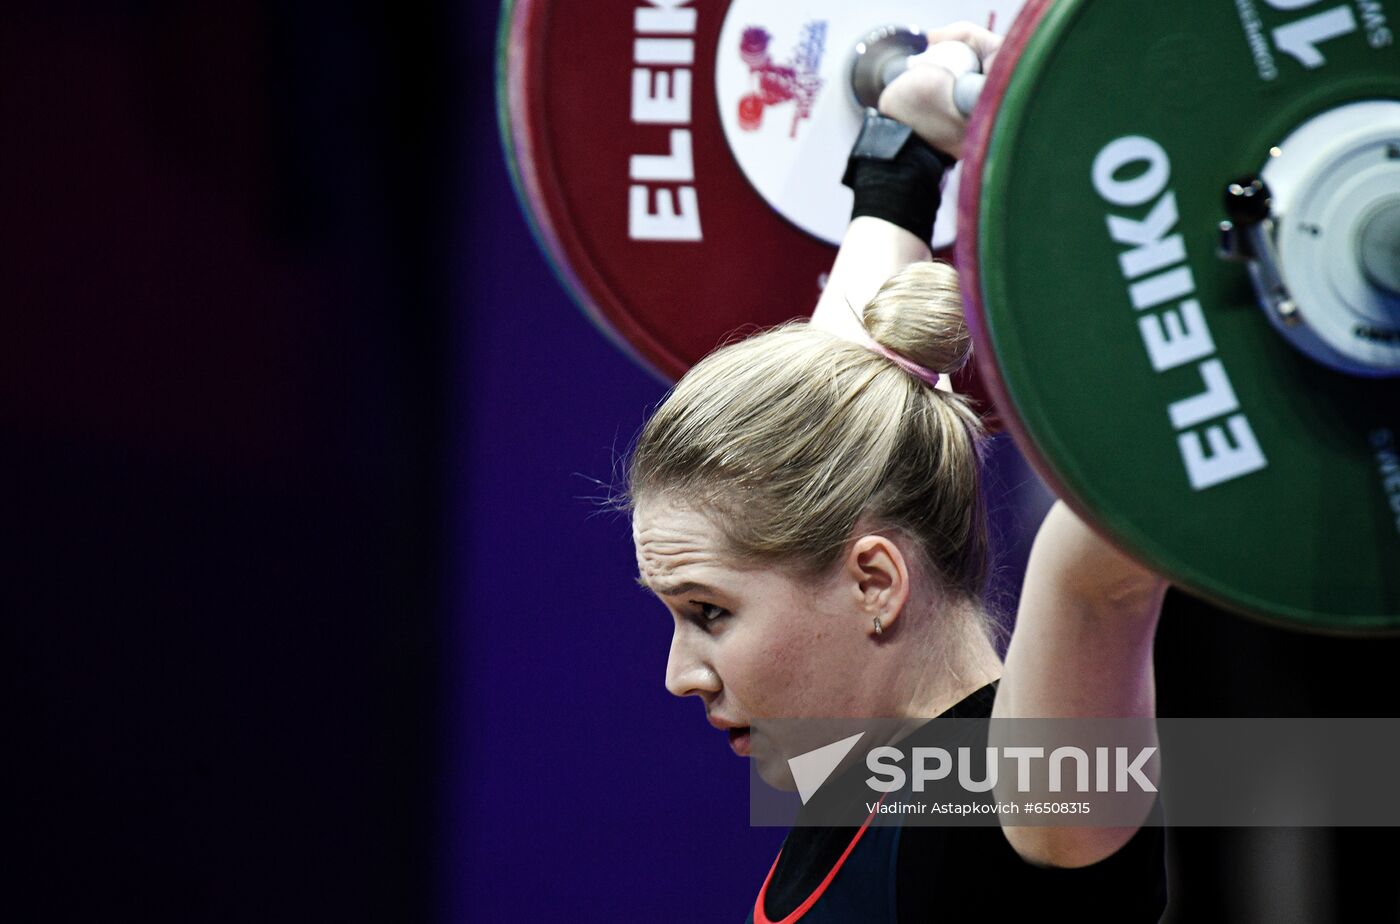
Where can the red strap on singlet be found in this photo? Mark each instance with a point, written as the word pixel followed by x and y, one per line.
pixel 759 917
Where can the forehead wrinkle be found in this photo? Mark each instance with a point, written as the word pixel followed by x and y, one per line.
pixel 664 565
pixel 675 546
pixel 670 563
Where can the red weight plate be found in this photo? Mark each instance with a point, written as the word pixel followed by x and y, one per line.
pixel 573 124
pixel 979 131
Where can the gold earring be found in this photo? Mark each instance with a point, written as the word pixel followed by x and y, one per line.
pixel 879 629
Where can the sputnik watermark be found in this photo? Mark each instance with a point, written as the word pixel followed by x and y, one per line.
pixel 889 776
pixel 978 808
pixel 1114 769
pixel 1101 772
pixel 954 771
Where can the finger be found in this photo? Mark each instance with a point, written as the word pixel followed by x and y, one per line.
pixel 958 57
pixel 983 41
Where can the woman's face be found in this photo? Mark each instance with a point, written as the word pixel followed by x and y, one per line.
pixel 751 643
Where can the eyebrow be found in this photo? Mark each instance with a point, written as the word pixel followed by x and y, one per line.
pixel 673 590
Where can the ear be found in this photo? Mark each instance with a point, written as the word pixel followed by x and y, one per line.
pixel 878 575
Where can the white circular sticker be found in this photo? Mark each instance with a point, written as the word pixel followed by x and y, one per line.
pixel 782 82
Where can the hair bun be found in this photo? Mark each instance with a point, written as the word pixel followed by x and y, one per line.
pixel 918 313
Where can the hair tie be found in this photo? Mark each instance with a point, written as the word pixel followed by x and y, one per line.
pixel 903 362
pixel 923 373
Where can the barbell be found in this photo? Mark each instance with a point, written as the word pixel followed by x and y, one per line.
pixel 1177 227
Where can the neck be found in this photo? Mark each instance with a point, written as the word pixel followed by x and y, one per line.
pixel 966 663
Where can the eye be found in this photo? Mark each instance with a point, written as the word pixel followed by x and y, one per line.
pixel 707 613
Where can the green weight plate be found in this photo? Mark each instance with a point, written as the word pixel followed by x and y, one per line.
pixel 1276 492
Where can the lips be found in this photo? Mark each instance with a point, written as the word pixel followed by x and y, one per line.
pixel 738 734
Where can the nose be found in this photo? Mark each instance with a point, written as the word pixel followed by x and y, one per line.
pixel 687 673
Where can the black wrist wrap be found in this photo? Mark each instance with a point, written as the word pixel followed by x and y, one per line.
pixel 895 176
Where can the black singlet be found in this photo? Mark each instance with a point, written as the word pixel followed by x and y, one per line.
pixel 901 875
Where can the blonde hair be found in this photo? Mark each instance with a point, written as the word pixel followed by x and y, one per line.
pixel 793 435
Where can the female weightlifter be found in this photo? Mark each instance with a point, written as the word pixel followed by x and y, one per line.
pixel 806 504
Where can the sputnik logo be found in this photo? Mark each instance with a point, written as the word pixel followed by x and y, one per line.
pixel 810 770
pixel 774 84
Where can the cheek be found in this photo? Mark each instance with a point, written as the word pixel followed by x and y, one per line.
pixel 796 669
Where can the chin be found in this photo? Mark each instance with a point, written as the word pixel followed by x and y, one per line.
pixel 770 760
pixel 774 771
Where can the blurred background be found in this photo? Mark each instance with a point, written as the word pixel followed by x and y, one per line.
pixel 310 609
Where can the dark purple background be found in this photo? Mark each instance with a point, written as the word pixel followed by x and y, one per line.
pixel 579 785
pixel 309 611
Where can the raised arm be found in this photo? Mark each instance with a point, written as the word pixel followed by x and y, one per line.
pixel 1084 628
pixel 1082 647
pixel 872 250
